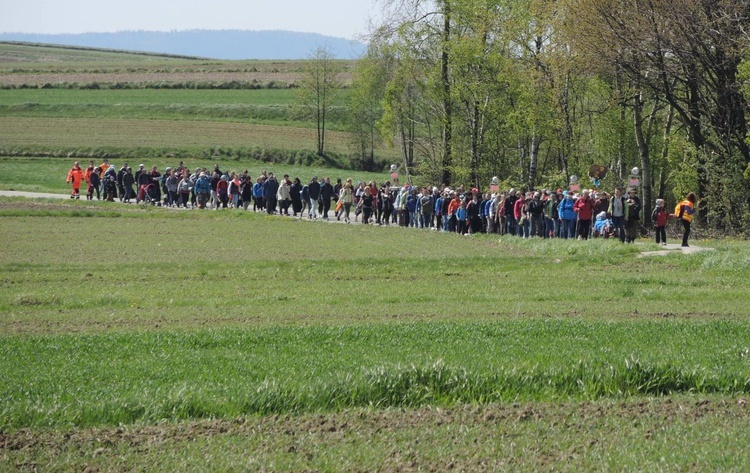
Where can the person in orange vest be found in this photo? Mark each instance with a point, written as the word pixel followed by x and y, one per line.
pixel 75 177
pixel 684 211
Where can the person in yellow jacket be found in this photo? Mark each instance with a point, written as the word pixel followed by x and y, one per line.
pixel 684 211
pixel 75 177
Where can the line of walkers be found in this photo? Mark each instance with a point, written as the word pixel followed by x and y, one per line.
pixel 544 214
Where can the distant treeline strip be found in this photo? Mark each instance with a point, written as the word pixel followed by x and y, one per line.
pixel 264 155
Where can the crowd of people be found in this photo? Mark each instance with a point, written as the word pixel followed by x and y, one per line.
pixel 541 214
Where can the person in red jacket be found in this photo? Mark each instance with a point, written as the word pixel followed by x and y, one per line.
pixel 659 218
pixel 584 207
pixel 75 178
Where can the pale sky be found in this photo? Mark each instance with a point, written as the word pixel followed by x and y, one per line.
pixel 341 18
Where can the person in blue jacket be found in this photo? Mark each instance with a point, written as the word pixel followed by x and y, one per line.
pixel 567 216
pixel 258 204
pixel 202 190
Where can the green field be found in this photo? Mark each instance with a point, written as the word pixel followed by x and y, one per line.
pixel 135 111
pixel 140 338
pixel 143 97
pixel 261 106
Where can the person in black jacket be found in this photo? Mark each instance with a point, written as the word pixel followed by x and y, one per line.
pixel 246 192
pixel 313 189
pixel 510 219
pixel 120 185
pixel 127 184
pixel 326 194
pixel 269 193
pixel 296 194
pixel 94 184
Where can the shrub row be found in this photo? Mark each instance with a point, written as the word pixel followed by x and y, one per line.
pixel 264 155
pixel 201 85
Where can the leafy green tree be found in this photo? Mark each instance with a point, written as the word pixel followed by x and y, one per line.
pixel 371 75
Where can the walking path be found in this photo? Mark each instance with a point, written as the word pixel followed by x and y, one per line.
pixel 36 195
pixel 668 249
pixel 674 247
pixel 41 195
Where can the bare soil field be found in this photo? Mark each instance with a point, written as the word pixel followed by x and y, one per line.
pixel 565 436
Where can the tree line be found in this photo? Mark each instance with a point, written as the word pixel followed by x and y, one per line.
pixel 537 92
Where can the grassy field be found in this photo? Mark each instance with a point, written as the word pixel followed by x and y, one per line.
pixel 149 97
pixel 146 338
pixel 261 106
pixel 59 134
pixel 47 109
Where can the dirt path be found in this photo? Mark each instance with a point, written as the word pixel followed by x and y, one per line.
pixel 672 248
pixel 41 195
pixel 668 249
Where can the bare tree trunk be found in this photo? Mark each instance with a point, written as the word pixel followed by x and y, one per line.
pixel 446 85
pixel 521 157
pixel 533 159
pixel 665 151
pixel 474 171
pixel 619 166
pixel 643 151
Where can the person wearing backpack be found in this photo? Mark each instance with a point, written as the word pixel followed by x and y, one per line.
pixel 685 211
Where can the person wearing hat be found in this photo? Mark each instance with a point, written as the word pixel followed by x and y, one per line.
pixel 202 189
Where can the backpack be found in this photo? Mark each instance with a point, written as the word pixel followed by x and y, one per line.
pixel 426 206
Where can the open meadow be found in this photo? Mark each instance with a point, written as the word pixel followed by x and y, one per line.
pixel 142 338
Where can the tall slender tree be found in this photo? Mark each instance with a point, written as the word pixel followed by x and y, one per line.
pixel 317 89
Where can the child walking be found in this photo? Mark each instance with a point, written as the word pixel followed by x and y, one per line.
pixel 461 219
pixel 659 218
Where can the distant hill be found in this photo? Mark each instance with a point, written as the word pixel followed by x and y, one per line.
pixel 215 44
